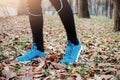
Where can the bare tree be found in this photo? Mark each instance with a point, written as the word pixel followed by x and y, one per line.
pixel 106 7
pixel 74 6
pixel 117 15
pixel 83 9
pixel 110 9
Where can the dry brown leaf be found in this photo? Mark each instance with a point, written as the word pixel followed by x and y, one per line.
pixel 100 42
pixel 41 64
pixel 59 66
pixel 8 73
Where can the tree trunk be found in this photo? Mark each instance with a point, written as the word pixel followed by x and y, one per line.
pixel 98 6
pixel 110 9
pixel 83 9
pixel 106 8
pixel 75 6
pixel 22 7
pixel 117 15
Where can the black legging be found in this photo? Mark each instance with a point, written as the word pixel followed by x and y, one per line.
pixel 36 22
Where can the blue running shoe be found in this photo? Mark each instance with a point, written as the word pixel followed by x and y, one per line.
pixel 72 53
pixel 31 54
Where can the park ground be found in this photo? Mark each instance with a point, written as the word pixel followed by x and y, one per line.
pixel 99 60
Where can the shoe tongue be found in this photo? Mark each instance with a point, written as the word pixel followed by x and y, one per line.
pixel 34 46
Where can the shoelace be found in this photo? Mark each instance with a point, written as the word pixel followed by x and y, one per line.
pixel 30 53
pixel 69 50
pixel 31 50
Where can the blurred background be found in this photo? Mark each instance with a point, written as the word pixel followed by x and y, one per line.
pixel 82 8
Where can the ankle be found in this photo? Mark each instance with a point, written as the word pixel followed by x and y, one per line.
pixel 75 42
pixel 41 50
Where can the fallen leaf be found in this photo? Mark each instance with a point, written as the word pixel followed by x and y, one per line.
pixel 8 73
pixel 41 64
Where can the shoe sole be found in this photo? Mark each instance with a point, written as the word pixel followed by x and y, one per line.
pixel 22 61
pixel 25 62
pixel 79 53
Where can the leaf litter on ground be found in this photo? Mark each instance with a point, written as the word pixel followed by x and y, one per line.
pixel 100 59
